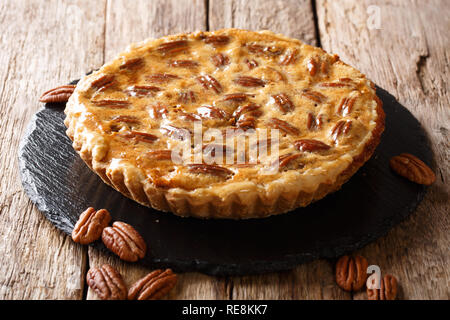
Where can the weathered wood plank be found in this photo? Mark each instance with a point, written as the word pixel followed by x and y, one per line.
pixel 48 43
pixel 408 56
pixel 293 18
pixel 312 281
pixel 131 21
pixel 134 21
pixel 37 52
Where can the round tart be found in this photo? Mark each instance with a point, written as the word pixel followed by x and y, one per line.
pixel 319 119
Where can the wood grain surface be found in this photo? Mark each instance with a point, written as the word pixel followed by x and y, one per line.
pixel 47 43
pixel 408 56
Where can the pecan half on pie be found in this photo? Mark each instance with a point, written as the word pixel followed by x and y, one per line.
pixel 291 123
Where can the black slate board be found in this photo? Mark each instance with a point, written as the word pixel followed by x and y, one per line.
pixel 370 204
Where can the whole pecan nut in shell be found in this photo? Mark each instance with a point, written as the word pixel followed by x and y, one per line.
pixel 124 241
pixel 351 272
pixel 153 286
pixel 90 225
pixel 412 168
pixel 388 290
pixel 107 283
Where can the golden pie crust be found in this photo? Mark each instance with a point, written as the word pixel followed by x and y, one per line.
pixel 124 118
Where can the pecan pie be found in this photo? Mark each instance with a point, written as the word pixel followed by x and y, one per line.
pixel 318 119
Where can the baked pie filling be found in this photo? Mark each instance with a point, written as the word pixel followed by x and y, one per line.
pixel 318 117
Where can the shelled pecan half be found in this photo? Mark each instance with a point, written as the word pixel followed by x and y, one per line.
pixel 161 77
pixel 247 81
pixel 109 103
pixel 311 65
pixel 183 64
pixel 126 119
pixel 220 59
pixel 388 290
pixel 283 126
pixel 314 122
pixel 159 154
pixel 412 168
pixel 158 111
pixel 341 83
pixel 247 121
pixel 189 116
pixel 124 241
pixel 142 90
pixel 250 107
pixel 313 95
pixel 176 132
pixel 346 106
pixel 342 127
pixel 310 145
pixel 251 63
pixel 209 82
pixel 58 94
pixel 132 64
pixel 287 160
pixel 107 283
pixel 218 40
pixel 289 57
pixel 186 96
pixel 259 49
pixel 283 102
pixel 237 97
pixel 103 82
pixel 211 112
pixel 209 169
pixel 139 136
pixel 172 47
pixel 351 272
pixel 153 286
pixel 90 225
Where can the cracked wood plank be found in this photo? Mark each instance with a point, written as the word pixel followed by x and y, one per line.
pixel 408 56
pixel 295 19
pixel 132 21
pixel 37 52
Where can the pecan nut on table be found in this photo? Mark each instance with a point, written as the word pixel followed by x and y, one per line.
pixel 153 286
pixel 387 291
pixel 351 272
pixel 90 225
pixel 124 241
pixel 412 168
pixel 107 283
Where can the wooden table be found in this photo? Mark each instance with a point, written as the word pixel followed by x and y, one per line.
pixel 403 46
